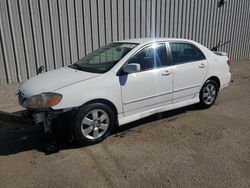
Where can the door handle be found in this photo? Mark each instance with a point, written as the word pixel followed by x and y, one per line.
pixel 202 65
pixel 166 73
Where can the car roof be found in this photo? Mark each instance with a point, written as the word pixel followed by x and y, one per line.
pixel 150 40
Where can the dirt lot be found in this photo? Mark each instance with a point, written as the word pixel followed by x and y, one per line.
pixel 188 147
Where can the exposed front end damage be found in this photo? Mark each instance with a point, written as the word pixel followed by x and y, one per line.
pixel 43 117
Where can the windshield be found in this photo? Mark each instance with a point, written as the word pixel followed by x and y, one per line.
pixel 104 58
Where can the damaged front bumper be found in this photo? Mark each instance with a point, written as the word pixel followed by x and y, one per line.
pixel 44 117
pixel 41 116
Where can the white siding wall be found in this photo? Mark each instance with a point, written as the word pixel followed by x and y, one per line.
pixel 56 33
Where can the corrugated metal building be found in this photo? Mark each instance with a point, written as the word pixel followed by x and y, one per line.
pixel 55 33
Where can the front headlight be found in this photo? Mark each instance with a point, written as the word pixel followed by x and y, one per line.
pixel 42 101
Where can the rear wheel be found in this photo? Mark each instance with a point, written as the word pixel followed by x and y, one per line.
pixel 93 123
pixel 208 93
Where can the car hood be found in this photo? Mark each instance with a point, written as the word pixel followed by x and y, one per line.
pixel 53 80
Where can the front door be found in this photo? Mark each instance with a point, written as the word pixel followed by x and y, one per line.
pixel 151 87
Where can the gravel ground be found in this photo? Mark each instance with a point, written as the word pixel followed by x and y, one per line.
pixel 188 147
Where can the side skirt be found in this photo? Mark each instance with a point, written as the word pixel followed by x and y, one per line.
pixel 124 120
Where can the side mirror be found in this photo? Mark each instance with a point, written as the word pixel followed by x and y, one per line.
pixel 132 68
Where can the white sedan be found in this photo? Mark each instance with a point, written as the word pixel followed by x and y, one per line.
pixel 125 81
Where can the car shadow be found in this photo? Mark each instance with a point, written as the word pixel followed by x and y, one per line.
pixel 18 134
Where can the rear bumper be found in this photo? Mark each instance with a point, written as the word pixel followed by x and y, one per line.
pixel 225 80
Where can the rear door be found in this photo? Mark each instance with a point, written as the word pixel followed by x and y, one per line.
pixel 190 68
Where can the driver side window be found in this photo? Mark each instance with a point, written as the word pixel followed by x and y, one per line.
pixel 151 57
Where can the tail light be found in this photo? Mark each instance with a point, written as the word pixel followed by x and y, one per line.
pixel 229 61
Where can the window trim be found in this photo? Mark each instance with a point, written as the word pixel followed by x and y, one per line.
pixel 184 42
pixel 120 73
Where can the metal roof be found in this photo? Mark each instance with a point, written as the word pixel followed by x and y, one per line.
pixel 149 40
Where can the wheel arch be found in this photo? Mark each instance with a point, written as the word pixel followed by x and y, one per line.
pixel 216 79
pixel 103 101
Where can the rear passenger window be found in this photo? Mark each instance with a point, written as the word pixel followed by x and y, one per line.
pixel 151 57
pixel 184 52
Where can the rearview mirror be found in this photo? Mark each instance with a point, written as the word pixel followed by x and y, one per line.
pixel 132 68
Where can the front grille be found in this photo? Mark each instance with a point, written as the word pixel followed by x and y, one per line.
pixel 21 97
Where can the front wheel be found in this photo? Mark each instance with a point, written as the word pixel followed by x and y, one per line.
pixel 93 123
pixel 208 93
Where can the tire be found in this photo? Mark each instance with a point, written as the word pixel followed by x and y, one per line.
pixel 208 93
pixel 93 123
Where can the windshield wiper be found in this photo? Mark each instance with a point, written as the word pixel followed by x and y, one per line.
pixel 75 66
pixel 78 67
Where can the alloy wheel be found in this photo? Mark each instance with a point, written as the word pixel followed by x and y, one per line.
pixel 209 93
pixel 95 124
